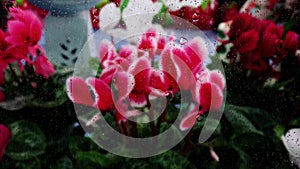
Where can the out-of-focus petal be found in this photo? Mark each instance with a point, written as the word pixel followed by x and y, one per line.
pixel 211 97
pixel 102 93
pixel 217 77
pixel 188 121
pixel 5 136
pixel 78 91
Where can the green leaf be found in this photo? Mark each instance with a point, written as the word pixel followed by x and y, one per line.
pixel 171 159
pixel 239 122
pixel 28 141
pixel 137 164
pixel 124 5
pixel 204 4
pixel 221 34
pixel 287 26
pixel 33 163
pixel 101 3
pixel 94 63
pixel 260 118
pixel 164 19
pixel 279 130
pixel 63 163
pixel 295 122
pixel 104 160
pixel 19 2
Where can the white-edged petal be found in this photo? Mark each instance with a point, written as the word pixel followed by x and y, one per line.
pixel 109 16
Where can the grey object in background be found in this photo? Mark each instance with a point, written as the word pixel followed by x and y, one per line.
pixel 66 30
pixel 64 38
pixel 64 7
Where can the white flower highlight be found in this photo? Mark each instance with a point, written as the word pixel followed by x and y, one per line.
pixel 174 5
pixel 138 17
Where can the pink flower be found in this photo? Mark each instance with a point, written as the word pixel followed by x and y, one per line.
pixel 210 86
pixel 43 66
pixel 24 28
pixel 132 71
pixel 5 136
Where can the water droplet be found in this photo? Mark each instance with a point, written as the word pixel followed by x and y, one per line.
pixel 169 93
pixel 195 17
pixel 183 41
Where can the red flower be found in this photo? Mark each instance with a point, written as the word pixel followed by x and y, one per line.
pixel 259 45
pixel 43 66
pixel 24 28
pixel 290 44
pixel 246 42
pixel 5 136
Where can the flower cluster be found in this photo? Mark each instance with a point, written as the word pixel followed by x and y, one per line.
pixel 259 45
pixel 155 68
pixel 19 46
pixel 204 16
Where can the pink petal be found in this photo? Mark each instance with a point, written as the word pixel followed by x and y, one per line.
pixel 211 97
pixel 217 77
pixel 138 100
pixel 17 28
pixel 163 81
pixel 43 66
pixel 18 51
pixel 35 31
pixel 140 69
pixel 15 40
pixel 197 51
pixel 120 118
pixel 167 64
pixel 78 91
pixel 128 51
pixel 186 79
pixel 106 51
pixel 102 93
pixel 124 83
pixel 161 43
pixel 2 35
pixel 188 121
pixel 108 74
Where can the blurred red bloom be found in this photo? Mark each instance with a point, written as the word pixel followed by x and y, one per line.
pixel 259 45
pixel 24 28
pixel 202 17
pixel 5 136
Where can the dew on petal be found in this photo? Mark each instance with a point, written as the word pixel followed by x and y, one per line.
pixel 183 41
pixel 195 17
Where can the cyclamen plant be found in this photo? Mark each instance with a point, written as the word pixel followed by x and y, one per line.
pixel 142 72
pixel 22 59
pixel 259 46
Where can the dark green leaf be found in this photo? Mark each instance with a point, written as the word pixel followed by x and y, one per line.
pixel 63 163
pixel 239 122
pixel 171 159
pixel 28 141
